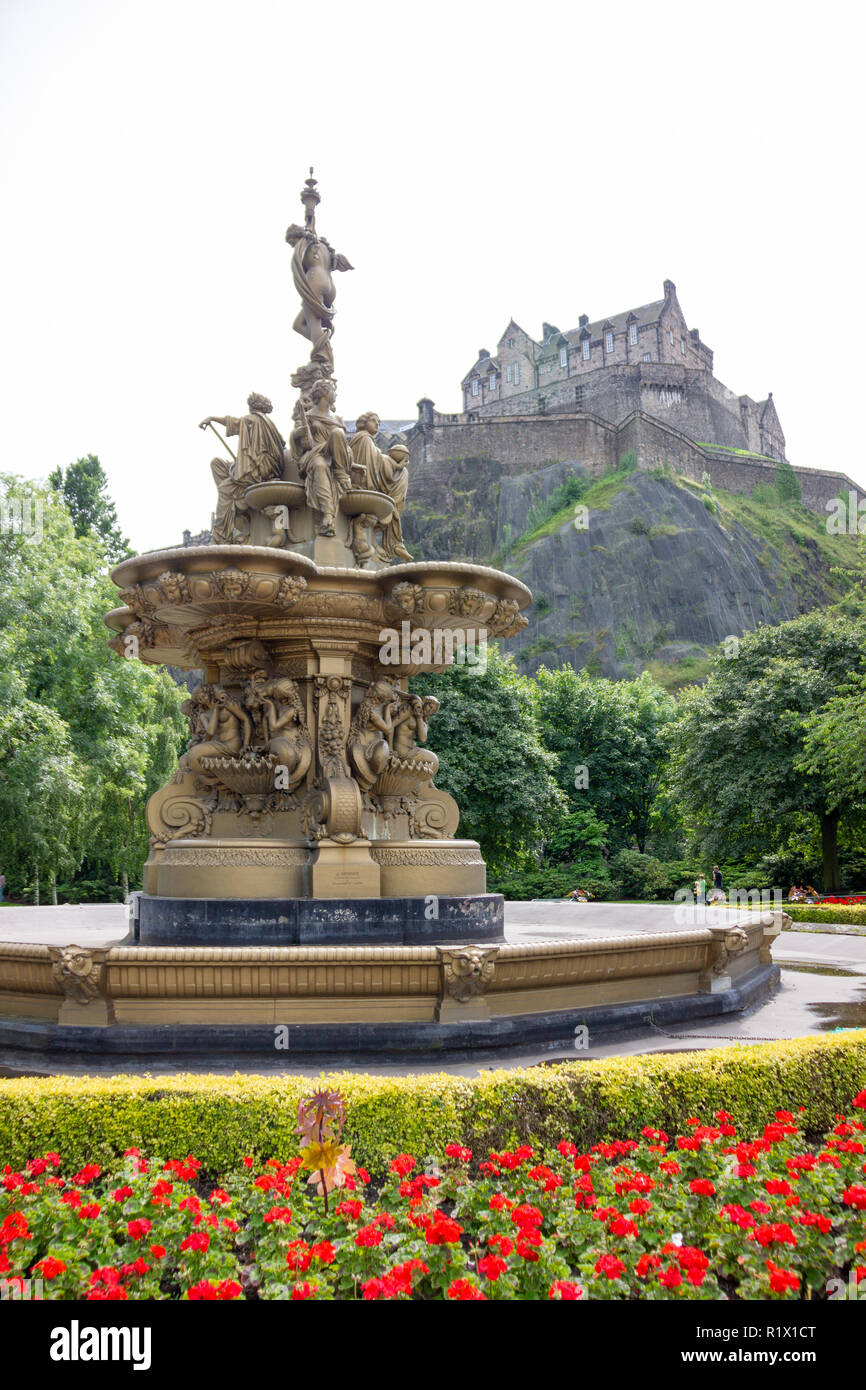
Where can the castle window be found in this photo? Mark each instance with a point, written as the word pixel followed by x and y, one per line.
pixel 517 374
pixel 671 334
pixel 647 357
pixel 608 342
pixel 511 342
pixel 563 357
pixel 578 398
pixel 586 349
pixel 632 334
pixel 683 346
pixel 492 381
pixel 509 373
pixel 475 387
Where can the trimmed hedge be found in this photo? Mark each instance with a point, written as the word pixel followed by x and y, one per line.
pixel 220 1119
pixel 850 916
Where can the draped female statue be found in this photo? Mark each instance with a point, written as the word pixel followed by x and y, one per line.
pixel 385 473
pixel 319 447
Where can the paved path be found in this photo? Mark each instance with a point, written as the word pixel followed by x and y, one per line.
pixel 98 923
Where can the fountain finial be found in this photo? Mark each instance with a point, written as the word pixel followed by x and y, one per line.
pixel 310 199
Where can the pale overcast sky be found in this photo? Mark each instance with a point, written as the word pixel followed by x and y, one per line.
pixel 476 161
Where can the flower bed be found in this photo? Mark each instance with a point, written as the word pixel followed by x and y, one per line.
pixel 703 1214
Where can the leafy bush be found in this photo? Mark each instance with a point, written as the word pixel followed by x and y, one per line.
pixel 556 881
pixel 569 491
pixel 849 916
pixel 642 876
pixel 788 485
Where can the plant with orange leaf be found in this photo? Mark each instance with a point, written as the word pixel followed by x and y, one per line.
pixel 320 1123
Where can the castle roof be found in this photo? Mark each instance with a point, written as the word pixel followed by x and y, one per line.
pixel 644 314
pixel 484 363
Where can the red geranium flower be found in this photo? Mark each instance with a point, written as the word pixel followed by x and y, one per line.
pixel 402 1165
pixel 781 1280
pixel 466 1292
pixel 491 1266
pixel 199 1240
pixel 298 1256
pixel 368 1236
pixel 610 1267
pixel 563 1289
pixel 87 1174
pixel 526 1216
pixel 456 1151
pixel 443 1231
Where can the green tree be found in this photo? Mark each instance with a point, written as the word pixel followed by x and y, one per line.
pixel 618 732
pixel 492 759
pixel 740 741
pixel 579 837
pixel 85 736
pixel 834 748
pixel 84 489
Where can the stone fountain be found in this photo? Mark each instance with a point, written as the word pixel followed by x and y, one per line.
pixel 305 808
pixel 306 881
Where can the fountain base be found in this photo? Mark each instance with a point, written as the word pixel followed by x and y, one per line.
pixel 436 919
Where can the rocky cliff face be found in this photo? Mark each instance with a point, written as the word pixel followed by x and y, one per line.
pixel 652 574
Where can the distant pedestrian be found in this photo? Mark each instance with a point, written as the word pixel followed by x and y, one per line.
pixel 701 890
pixel 718 890
pixel 2 886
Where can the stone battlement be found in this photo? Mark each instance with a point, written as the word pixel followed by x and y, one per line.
pixel 517 443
